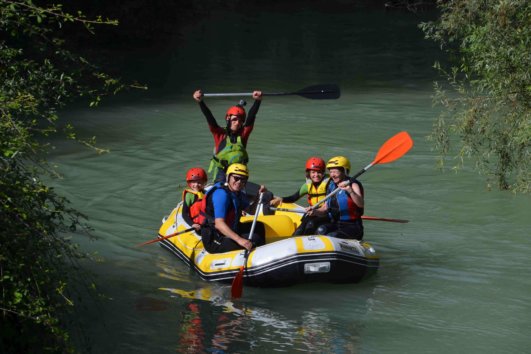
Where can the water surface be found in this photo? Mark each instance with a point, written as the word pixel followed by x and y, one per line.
pixel 454 279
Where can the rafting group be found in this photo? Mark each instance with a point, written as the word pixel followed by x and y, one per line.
pixel 233 230
pixel 216 213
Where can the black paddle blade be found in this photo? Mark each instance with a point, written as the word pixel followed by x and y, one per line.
pixel 320 92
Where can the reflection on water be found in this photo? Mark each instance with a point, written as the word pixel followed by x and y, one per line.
pixel 192 334
pixel 210 321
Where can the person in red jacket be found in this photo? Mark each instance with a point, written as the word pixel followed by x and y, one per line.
pixel 230 142
pixel 196 178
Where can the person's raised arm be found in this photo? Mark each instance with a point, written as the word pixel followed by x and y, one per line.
pixel 251 116
pixel 198 97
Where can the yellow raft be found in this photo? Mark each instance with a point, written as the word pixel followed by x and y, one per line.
pixel 284 259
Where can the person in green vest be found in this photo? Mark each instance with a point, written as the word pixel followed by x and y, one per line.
pixel 230 142
pixel 315 189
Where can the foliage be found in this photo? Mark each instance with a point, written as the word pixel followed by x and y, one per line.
pixel 488 103
pixel 38 264
pixel 33 258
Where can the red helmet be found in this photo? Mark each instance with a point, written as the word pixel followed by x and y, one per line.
pixel 315 164
pixel 235 111
pixel 196 174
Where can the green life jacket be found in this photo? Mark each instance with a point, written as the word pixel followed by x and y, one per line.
pixel 231 153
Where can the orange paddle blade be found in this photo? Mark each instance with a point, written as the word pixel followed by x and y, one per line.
pixel 394 148
pixel 237 285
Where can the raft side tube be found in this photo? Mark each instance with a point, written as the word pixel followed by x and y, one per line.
pixel 277 227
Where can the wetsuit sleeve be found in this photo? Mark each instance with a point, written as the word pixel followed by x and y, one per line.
pixel 297 195
pixel 208 115
pixel 188 200
pixel 217 132
pixel 221 201
pixel 249 121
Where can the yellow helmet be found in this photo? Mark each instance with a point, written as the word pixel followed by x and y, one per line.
pixel 339 161
pixel 238 169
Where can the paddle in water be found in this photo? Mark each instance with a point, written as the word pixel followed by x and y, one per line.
pixel 237 282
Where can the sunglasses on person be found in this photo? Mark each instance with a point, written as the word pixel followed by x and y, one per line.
pixel 239 179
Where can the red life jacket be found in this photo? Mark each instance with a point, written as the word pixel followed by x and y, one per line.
pixel 203 216
pixel 195 207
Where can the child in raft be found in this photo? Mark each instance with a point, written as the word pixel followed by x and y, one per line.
pixel 196 179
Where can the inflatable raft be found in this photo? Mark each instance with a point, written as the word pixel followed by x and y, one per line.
pixel 284 259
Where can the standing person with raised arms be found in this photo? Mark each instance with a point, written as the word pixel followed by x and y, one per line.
pixel 230 142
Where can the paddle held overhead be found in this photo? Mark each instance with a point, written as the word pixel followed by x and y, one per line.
pixel 314 92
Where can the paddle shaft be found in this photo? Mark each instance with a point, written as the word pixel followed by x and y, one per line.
pixel 161 238
pixel 249 94
pixel 364 217
pixel 257 211
pixel 335 191
pixel 394 148
pixel 328 91
pixel 243 94
pixel 256 215
pixel 401 221
pixel 237 282
pixel 300 211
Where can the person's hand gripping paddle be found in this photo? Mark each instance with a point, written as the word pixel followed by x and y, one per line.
pixel 237 283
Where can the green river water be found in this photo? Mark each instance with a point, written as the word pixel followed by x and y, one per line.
pixel 454 279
